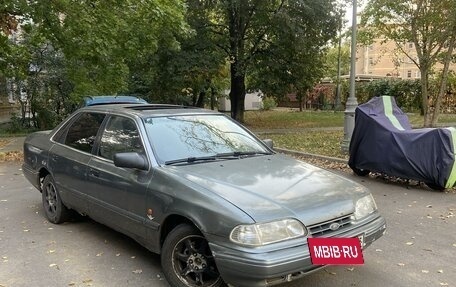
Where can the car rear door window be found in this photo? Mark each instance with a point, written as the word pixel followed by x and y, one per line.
pixel 120 135
pixel 83 131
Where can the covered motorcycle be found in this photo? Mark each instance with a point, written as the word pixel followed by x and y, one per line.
pixel 384 141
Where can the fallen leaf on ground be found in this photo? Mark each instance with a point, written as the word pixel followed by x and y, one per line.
pixel 409 243
pixel 137 271
pixel 351 269
pixel 440 271
pixel 99 254
pixel 425 271
pixel 400 264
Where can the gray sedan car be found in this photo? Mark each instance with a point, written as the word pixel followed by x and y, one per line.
pixel 218 204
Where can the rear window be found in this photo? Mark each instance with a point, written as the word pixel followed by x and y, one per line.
pixel 82 132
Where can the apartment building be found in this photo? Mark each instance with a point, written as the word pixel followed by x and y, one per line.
pixel 384 58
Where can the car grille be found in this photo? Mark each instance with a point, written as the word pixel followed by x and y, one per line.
pixel 323 229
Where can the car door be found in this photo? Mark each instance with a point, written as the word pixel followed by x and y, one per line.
pixel 120 193
pixel 70 155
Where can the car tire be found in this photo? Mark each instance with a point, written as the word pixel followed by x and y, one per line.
pixel 187 260
pixel 360 172
pixel 54 209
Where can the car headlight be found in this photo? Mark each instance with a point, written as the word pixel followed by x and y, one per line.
pixel 365 206
pixel 266 233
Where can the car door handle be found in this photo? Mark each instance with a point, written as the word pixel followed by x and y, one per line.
pixel 94 172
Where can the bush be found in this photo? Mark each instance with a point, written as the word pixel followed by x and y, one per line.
pixel 268 103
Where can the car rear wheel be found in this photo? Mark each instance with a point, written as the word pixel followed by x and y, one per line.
pixel 360 172
pixel 54 209
pixel 187 260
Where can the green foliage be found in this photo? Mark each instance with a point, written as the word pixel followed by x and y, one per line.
pixel 187 74
pixel 270 42
pixel 268 103
pixel 331 59
pixel 406 92
pixel 292 59
pixel 68 49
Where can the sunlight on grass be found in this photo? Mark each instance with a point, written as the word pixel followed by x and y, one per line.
pixel 284 118
pixel 287 128
pixel 316 142
pixel 293 119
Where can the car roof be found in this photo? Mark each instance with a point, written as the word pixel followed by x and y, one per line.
pixel 118 99
pixel 148 110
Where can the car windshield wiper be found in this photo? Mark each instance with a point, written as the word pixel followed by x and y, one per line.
pixel 191 159
pixel 219 156
pixel 242 153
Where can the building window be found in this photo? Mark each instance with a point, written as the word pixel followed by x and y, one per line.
pixel 417 74
pixel 410 45
pixel 409 74
pixel 371 61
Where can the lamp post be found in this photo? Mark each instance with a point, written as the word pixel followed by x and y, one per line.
pixel 337 101
pixel 352 103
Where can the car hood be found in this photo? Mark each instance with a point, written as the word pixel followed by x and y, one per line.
pixel 276 186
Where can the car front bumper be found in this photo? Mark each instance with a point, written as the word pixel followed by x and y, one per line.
pixel 243 269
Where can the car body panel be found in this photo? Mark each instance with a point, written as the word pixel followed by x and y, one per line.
pixel 274 266
pixel 118 196
pixel 275 186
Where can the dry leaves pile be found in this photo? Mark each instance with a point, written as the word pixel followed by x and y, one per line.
pixel 11 156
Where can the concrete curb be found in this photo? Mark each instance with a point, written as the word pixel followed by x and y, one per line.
pixel 310 155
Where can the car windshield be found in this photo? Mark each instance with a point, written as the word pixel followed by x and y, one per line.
pixel 188 138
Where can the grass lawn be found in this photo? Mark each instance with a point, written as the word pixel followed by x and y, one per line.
pixel 317 142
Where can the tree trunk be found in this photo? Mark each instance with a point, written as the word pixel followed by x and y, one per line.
pixel 443 83
pixel 425 96
pixel 201 97
pixel 237 94
pixel 212 98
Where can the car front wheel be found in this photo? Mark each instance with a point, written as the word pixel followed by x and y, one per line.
pixel 56 212
pixel 187 260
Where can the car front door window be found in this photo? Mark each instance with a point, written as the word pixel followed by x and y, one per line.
pixel 120 135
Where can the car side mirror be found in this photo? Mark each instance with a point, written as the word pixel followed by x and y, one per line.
pixel 131 160
pixel 269 143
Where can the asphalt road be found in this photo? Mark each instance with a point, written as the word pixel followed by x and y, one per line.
pixel 419 248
